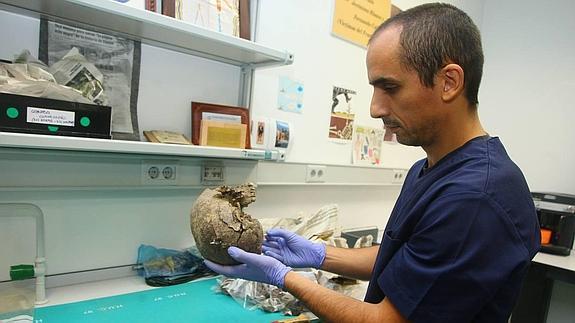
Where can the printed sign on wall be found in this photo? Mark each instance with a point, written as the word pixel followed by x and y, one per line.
pixel 356 20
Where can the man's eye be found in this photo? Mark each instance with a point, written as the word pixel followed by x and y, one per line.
pixel 389 88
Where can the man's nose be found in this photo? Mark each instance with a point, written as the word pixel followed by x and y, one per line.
pixel 379 107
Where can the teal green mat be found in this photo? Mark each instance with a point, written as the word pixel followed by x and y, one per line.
pixel 190 302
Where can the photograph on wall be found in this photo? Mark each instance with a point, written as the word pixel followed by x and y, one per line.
pixel 103 67
pixel 282 134
pixel 366 143
pixel 260 133
pixel 290 95
pixel 342 115
pixel 261 128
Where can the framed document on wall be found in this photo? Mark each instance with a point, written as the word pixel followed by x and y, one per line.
pixel 216 113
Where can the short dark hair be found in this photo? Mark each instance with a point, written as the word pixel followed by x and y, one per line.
pixel 434 34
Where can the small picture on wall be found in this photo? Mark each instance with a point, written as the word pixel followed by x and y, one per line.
pixel 260 131
pixel 282 134
pixel 290 95
pixel 342 115
pixel 367 146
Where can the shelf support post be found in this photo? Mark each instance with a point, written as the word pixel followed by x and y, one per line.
pixel 246 85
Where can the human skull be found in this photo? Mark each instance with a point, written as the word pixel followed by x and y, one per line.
pixel 218 222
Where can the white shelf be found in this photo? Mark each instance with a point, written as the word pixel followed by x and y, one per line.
pixel 151 28
pixel 60 143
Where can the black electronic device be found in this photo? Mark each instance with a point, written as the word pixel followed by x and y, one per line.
pixel 353 234
pixel 556 213
pixel 26 114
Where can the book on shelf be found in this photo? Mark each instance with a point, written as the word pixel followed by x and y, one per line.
pixel 166 137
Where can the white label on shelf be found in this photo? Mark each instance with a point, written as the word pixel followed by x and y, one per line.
pixel 50 116
pixel 220 117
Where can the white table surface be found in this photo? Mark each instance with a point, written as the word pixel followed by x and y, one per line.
pixel 564 262
pixel 92 290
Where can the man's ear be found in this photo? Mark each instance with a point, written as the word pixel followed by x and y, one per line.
pixel 453 80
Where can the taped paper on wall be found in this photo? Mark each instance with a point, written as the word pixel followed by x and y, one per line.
pixel 366 145
pixel 290 95
pixel 342 114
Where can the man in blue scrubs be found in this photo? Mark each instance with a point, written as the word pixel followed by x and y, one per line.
pixel 464 229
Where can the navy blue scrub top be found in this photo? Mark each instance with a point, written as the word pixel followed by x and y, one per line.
pixel 459 239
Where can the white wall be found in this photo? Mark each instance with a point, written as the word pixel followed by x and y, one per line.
pixel 321 62
pixel 528 87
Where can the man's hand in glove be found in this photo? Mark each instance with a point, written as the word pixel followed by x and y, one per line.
pixel 254 267
pixel 293 250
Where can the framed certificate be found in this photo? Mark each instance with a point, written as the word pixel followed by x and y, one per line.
pixel 223 134
pixel 219 114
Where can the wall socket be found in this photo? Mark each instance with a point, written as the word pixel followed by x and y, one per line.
pixel 315 173
pixel 213 174
pixel 159 172
pixel 398 176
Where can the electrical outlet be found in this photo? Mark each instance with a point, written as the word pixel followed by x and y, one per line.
pixel 315 173
pixel 398 176
pixel 212 174
pixel 159 172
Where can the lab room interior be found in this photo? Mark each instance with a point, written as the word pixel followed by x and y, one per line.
pixel 287 161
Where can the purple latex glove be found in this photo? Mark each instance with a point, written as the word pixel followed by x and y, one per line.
pixel 293 250
pixel 254 267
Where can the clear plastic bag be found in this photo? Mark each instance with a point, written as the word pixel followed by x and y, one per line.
pixel 321 226
pixel 254 295
pixel 167 266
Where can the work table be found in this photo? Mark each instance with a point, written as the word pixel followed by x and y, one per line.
pixel 567 263
pixel 118 295
pixel 129 299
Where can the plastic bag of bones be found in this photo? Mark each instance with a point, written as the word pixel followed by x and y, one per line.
pixel 321 226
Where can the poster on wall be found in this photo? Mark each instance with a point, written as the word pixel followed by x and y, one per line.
pixel 355 21
pixel 290 95
pixel 366 143
pixel 342 115
pixel 116 58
